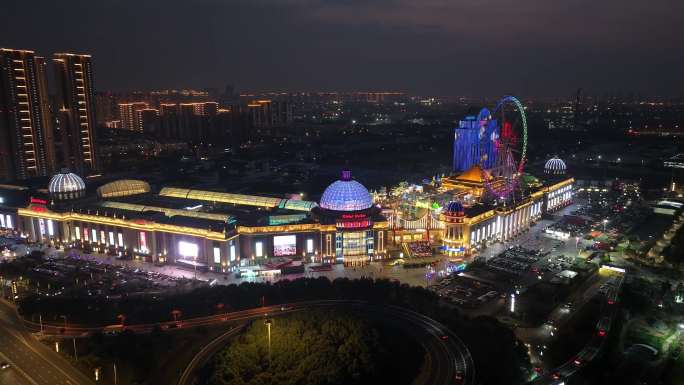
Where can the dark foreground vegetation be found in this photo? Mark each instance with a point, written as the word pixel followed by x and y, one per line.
pixel 317 348
pixel 499 357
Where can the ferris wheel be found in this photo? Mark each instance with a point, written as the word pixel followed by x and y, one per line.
pixel 503 147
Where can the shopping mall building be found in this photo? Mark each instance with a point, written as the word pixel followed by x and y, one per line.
pixel 222 231
pixel 456 218
pixel 216 231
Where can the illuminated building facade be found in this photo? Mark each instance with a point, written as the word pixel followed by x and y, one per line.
pixel 211 230
pixel 347 209
pixel 76 104
pixel 269 113
pixel 469 147
pixel 460 229
pixel 148 119
pixel 129 115
pixel 26 134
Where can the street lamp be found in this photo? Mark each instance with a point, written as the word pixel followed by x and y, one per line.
pixel 605 221
pixel 268 324
pixel 194 258
pixel 512 303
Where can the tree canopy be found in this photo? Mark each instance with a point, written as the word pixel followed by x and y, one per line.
pixel 313 348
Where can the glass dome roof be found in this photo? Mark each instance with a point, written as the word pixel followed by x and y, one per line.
pixel 346 194
pixel 454 208
pixel 66 185
pixel 554 165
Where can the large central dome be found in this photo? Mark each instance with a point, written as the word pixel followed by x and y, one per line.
pixel 346 194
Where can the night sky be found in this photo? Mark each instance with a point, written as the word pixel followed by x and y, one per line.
pixel 443 47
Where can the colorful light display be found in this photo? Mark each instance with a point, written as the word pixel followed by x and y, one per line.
pixel 284 245
pixel 502 178
pixel 467 138
pixel 346 194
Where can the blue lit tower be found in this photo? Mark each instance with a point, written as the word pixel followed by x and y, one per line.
pixel 469 144
pixel 488 139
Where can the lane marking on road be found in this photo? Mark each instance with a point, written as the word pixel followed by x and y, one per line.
pixel 24 340
pixel 20 370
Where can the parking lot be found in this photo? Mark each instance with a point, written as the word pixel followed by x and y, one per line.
pixel 74 276
pixel 516 260
pixel 464 291
pixel 533 258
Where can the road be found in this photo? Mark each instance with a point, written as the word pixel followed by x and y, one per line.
pixel 446 356
pixel 544 335
pixel 590 351
pixel 12 376
pixel 32 362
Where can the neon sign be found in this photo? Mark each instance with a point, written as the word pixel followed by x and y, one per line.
pixel 354 216
pixel 38 209
pixel 354 224
pixel 39 201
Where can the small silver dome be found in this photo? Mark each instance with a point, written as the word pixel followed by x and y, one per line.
pixel 66 185
pixel 555 166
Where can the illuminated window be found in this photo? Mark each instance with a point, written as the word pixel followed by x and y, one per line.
pixel 217 255
pixel 259 249
pixel 8 221
pixel 50 227
pixel 188 249
pixel 120 237
pixel 78 233
pixel 94 232
pixel 111 238
pixel 2 221
pixel 232 252
pixel 41 225
pixel 85 234
pixel 309 246
pixel 143 242
pixel 284 245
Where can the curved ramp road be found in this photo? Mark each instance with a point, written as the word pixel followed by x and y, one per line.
pixel 447 361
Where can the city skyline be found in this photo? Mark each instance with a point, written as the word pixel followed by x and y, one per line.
pixel 341 192
pixel 529 49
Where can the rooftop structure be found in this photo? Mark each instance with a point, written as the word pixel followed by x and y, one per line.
pixel 454 208
pixel 555 166
pixel 346 194
pixel 123 187
pixel 66 185
pixel 218 231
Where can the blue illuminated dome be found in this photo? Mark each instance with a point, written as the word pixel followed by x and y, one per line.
pixel 346 194
pixel 454 208
pixel 555 166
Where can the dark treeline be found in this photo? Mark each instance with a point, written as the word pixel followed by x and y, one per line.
pixel 500 358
